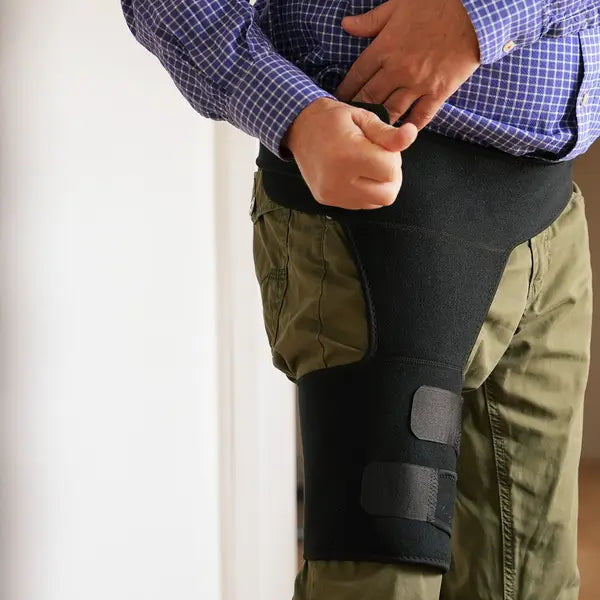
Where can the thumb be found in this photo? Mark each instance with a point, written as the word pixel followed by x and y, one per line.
pixel 395 139
pixel 370 23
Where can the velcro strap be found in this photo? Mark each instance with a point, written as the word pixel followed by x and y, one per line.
pixel 436 416
pixel 391 489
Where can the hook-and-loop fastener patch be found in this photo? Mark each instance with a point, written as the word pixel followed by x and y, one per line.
pixel 405 490
pixel 436 416
pixel 411 491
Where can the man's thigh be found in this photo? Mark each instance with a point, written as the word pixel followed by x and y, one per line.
pixel 515 532
pixel 315 317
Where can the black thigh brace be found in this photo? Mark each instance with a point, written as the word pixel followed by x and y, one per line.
pixel 381 435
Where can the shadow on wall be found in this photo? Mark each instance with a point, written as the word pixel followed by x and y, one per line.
pixel 587 176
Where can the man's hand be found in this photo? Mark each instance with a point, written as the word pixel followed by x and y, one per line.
pixel 347 155
pixel 422 52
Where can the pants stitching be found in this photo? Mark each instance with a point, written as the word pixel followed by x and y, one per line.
pixel 535 271
pixel 506 516
pixel 286 271
pixel 322 285
pixel 547 252
pixel 532 274
pixel 540 264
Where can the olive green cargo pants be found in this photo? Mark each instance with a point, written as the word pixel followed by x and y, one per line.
pixel 515 522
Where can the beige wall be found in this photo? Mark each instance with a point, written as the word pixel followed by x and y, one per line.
pixel 587 175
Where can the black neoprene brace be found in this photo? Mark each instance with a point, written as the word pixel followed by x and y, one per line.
pixel 381 435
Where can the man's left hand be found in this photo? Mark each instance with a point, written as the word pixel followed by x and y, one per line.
pixel 422 52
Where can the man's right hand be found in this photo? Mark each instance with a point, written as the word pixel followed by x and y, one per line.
pixel 347 155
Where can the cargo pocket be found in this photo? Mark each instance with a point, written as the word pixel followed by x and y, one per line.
pixel 270 251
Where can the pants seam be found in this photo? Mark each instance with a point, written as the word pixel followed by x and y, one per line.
pixel 286 279
pixel 547 252
pixel 506 515
pixel 535 272
pixel 322 285
pixel 532 274
pixel 540 265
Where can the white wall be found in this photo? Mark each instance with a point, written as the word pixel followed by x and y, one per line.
pixel 113 442
pixel 257 401
pixel 108 300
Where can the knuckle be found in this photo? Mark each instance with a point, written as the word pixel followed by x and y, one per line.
pixel 398 167
pixel 412 73
pixel 358 71
pixel 388 199
pixel 366 114
pixel 425 115
pixel 442 88
pixel 419 123
pixel 369 117
pixel 393 171
pixel 398 109
pixel 387 195
pixel 396 104
pixel 367 95
pixel 372 17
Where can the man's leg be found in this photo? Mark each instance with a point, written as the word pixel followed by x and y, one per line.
pixel 315 317
pixel 515 527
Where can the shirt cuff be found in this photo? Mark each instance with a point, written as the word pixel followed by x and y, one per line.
pixel 502 26
pixel 268 98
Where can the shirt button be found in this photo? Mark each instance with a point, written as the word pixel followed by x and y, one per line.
pixel 508 46
pixel 585 98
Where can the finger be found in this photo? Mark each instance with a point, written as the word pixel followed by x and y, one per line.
pixel 363 68
pixel 356 196
pixel 400 138
pixel 355 202
pixel 399 102
pixel 387 136
pixel 376 89
pixel 358 203
pixel 370 23
pixel 375 162
pixel 377 193
pixel 365 193
pixel 424 111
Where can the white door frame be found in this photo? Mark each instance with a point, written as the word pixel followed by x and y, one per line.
pixel 257 410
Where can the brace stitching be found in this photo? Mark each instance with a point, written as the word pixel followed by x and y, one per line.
pixel 432 500
pixel 415 360
pixel 439 522
pixel 384 558
pixel 431 233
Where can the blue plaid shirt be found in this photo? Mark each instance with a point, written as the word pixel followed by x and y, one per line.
pixel 537 91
